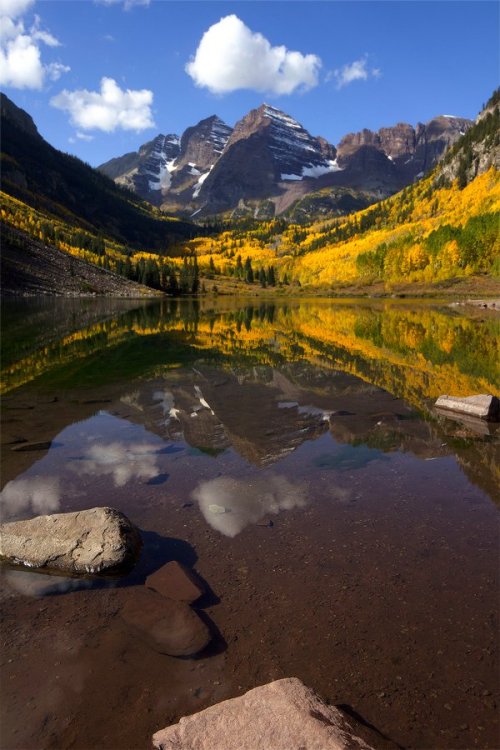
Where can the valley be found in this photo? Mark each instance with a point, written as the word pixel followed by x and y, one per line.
pixel 436 234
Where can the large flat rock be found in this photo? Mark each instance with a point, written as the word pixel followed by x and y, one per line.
pixel 283 715
pixel 167 626
pixel 88 541
pixel 482 406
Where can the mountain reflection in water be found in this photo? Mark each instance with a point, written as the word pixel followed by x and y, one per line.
pixel 257 378
pixel 291 453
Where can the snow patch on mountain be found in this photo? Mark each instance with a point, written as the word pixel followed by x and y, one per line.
pixel 200 182
pixel 314 170
pixel 163 180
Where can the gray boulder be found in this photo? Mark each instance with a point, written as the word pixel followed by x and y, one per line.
pixel 283 715
pixel 88 541
pixel 482 406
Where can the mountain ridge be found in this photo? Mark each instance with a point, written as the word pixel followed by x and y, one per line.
pixel 268 150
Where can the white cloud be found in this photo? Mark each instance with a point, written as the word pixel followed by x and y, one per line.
pixel 355 71
pixel 21 63
pixel 127 4
pixel 41 35
pixel 55 70
pixel 14 8
pixel 84 136
pixel 229 504
pixel 109 109
pixel 230 57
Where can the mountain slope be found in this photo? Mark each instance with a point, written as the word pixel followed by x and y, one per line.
pixel 441 228
pixel 43 177
pixel 30 267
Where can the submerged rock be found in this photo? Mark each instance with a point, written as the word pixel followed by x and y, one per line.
pixel 483 406
pixel 175 581
pixel 88 541
pixel 283 715
pixel 167 626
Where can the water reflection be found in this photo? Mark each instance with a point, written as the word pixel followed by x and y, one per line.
pixel 229 504
pixel 34 496
pixel 416 351
pixel 34 584
pixel 261 380
pixel 120 460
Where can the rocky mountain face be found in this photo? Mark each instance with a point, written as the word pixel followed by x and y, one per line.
pixel 266 148
pixel 269 161
pixel 147 171
pixel 200 148
pixel 391 158
pixel 169 165
pixel 478 150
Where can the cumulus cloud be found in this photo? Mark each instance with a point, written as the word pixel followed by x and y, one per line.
pixel 37 495
pixel 229 504
pixel 230 57
pixel 109 109
pixel 14 8
pixel 21 63
pixel 120 460
pixel 355 71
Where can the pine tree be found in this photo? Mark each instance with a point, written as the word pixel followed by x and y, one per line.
pixel 248 271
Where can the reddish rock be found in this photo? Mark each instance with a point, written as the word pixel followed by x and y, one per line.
pixel 283 715
pixel 175 581
pixel 166 626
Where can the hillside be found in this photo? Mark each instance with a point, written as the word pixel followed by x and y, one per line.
pixel 62 185
pixel 29 267
pixel 442 228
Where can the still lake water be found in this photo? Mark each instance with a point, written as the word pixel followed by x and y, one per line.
pixel 290 453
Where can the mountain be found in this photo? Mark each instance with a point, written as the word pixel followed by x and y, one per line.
pixel 44 178
pixel 441 229
pixel 145 171
pixel 169 164
pixel 478 150
pixel 266 148
pixel 412 152
pixel 268 162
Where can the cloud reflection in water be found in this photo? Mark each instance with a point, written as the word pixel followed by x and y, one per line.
pixel 123 461
pixel 40 495
pixel 230 504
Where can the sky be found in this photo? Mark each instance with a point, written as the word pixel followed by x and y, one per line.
pixel 102 77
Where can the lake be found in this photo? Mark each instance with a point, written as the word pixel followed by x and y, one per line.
pixel 289 452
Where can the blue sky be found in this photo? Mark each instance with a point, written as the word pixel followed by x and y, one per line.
pixel 335 66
